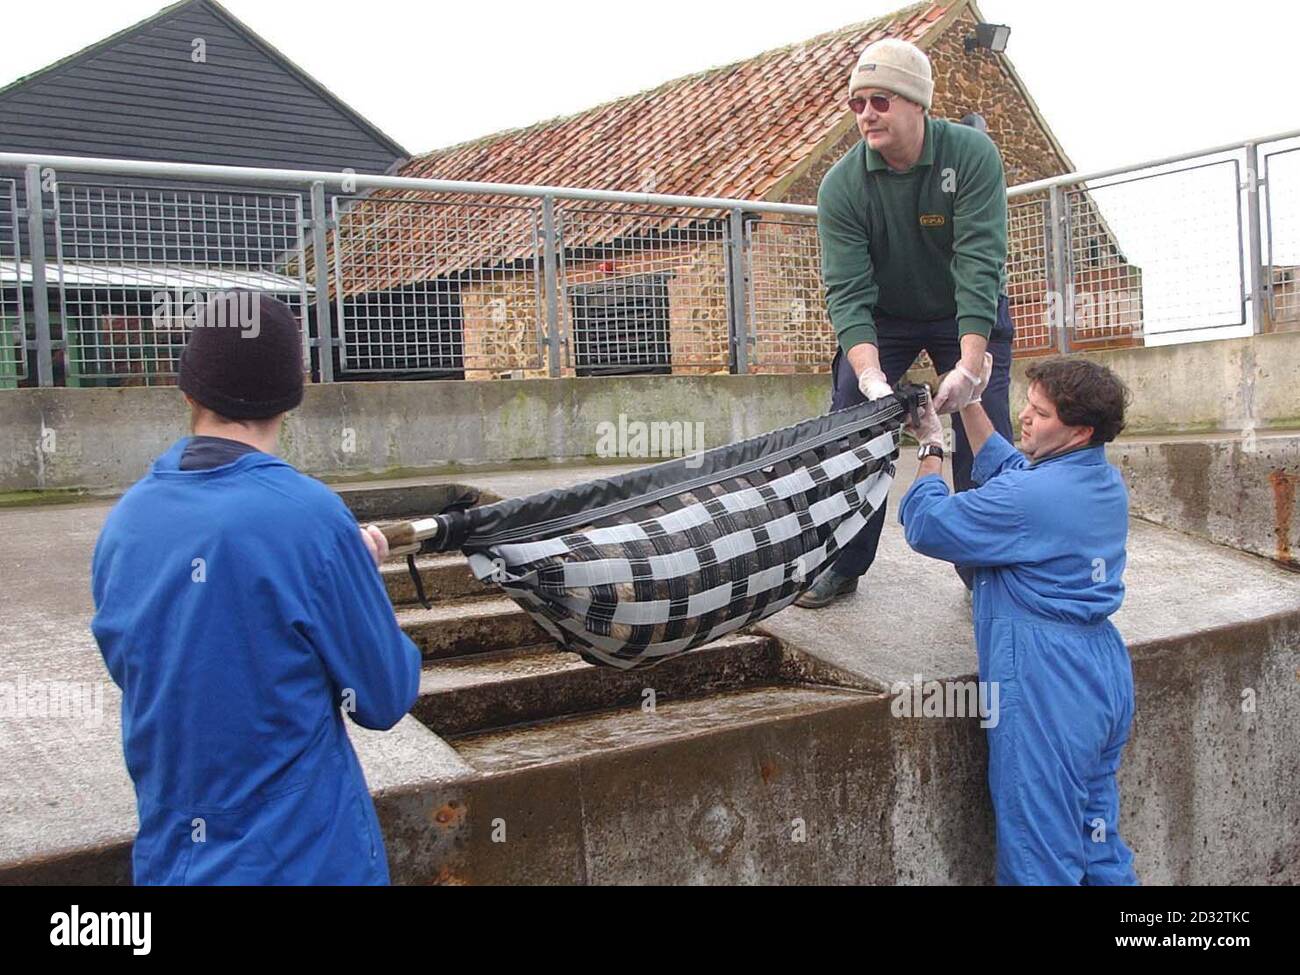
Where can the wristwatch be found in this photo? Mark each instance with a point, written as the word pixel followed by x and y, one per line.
pixel 929 450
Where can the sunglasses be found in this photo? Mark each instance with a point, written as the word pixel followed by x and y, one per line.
pixel 878 103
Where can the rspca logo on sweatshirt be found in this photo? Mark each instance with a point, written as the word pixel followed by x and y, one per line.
pixel 932 220
pixel 108 928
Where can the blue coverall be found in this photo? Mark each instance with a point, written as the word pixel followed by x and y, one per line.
pixel 1047 543
pixel 238 609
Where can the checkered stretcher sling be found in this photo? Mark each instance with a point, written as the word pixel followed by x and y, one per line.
pixel 634 569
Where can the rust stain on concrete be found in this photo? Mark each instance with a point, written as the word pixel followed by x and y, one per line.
pixel 1283 505
pixel 449 814
pixel 446 877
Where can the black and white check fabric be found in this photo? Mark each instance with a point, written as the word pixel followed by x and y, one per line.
pixel 659 578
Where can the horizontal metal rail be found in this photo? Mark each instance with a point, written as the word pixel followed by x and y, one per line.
pixel 357 181
pixel 1068 179
pixel 352 182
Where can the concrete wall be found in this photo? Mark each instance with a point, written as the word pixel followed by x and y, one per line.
pixel 1232 390
pixel 1234 491
pixel 1227 385
pixel 888 800
pixel 104 439
pixel 1212 446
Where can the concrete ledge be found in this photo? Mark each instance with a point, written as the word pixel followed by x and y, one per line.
pixel 1207 788
pixel 104 439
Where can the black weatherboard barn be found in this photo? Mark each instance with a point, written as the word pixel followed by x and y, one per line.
pixel 189 84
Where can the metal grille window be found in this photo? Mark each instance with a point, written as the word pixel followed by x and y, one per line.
pixel 685 248
pixel 421 329
pixel 13 326
pixel 621 326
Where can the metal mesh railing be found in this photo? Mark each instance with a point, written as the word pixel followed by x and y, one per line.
pixel 421 277
pixel 13 322
pixel 1103 289
pixel 439 286
pixel 789 329
pixel 643 290
pixel 1281 173
pixel 1028 258
pixel 134 261
pixel 1156 253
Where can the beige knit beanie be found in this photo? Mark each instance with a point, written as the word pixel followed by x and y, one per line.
pixel 896 66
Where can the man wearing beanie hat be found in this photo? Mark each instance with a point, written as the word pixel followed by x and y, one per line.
pixel 913 228
pixel 238 607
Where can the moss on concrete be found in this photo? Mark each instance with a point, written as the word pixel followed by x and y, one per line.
pixel 454 468
pixel 20 499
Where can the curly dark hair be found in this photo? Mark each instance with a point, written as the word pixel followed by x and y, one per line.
pixel 1085 393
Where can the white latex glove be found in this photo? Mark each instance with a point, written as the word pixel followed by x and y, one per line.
pixel 872 384
pixel 376 543
pixel 984 378
pixel 956 389
pixel 927 429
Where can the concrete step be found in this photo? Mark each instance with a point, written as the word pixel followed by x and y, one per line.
pixel 571 738
pixel 469 626
pixel 444 577
pixel 507 687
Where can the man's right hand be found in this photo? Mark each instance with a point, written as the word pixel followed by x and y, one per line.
pixel 873 385
pixel 864 358
pixel 928 429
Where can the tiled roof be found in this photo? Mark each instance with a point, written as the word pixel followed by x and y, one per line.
pixel 734 131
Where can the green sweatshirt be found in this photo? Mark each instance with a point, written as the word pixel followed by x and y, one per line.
pixel 924 244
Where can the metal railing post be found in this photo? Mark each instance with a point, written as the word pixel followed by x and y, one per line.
pixel 320 267
pixel 1255 269
pixel 550 257
pixel 737 308
pixel 1058 279
pixel 36 214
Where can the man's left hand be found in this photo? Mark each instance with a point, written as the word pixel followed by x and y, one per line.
pixel 985 375
pixel 958 388
pixel 376 544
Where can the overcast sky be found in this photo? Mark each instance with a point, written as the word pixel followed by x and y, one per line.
pixel 1118 80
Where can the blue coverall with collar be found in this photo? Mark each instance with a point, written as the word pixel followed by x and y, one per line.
pixel 1047 543
pixel 238 609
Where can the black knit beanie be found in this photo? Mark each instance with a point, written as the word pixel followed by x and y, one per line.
pixel 243 359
